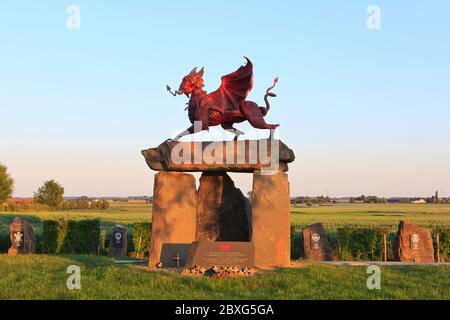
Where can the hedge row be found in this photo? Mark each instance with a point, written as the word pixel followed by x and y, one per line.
pixel 83 237
pixel 86 237
pixel 69 236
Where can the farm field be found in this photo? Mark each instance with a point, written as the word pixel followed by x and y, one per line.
pixel 44 277
pixel 373 215
pixel 364 215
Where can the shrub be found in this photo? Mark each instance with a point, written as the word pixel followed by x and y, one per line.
pixel 141 238
pixel 5 242
pixel 103 243
pixel 18 207
pixel 75 237
pixel 359 243
pixel 444 243
pixel 296 242
pixel 54 234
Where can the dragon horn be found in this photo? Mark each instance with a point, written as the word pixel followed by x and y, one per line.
pixel 201 72
pixel 193 71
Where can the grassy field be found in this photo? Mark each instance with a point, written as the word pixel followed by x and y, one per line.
pixel 44 277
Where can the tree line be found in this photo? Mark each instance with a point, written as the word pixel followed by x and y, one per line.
pixel 50 195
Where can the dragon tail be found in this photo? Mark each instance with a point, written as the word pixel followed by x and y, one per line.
pixel 268 94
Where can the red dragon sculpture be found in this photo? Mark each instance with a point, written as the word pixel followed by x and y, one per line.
pixel 227 105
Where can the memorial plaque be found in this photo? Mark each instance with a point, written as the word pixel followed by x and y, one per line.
pixel 315 238
pixel 221 254
pixel 174 255
pixel 118 243
pixel 414 241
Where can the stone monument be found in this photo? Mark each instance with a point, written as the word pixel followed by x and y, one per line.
pixel 23 239
pixel 413 243
pixel 118 243
pixel 315 244
pixel 218 211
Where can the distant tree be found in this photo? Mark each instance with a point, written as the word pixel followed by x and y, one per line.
pixel 6 184
pixel 352 200
pixel 404 200
pixel 51 194
pixel 436 197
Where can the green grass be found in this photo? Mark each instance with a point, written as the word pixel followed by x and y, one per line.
pixel 44 277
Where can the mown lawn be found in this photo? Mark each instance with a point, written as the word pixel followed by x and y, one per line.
pixel 44 277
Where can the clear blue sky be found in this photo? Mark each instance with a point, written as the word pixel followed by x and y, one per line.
pixel 366 111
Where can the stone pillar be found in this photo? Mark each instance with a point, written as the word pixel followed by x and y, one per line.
pixel 223 212
pixel 271 219
pixel 174 212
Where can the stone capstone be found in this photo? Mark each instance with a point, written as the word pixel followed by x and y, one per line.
pixel 229 156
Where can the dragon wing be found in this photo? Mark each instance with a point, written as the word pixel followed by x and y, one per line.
pixel 234 89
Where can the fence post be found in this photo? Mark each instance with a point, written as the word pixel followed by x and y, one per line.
pixel 138 254
pixel 438 252
pixel 385 244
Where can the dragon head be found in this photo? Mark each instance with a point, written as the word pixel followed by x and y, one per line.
pixel 192 82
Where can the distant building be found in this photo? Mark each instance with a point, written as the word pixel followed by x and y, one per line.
pixel 21 200
pixel 420 201
pixel 137 201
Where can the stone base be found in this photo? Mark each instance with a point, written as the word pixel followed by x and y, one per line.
pixel 219 211
pixel 13 252
pixel 174 211
pixel 271 219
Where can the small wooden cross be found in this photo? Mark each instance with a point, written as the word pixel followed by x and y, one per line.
pixel 178 258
